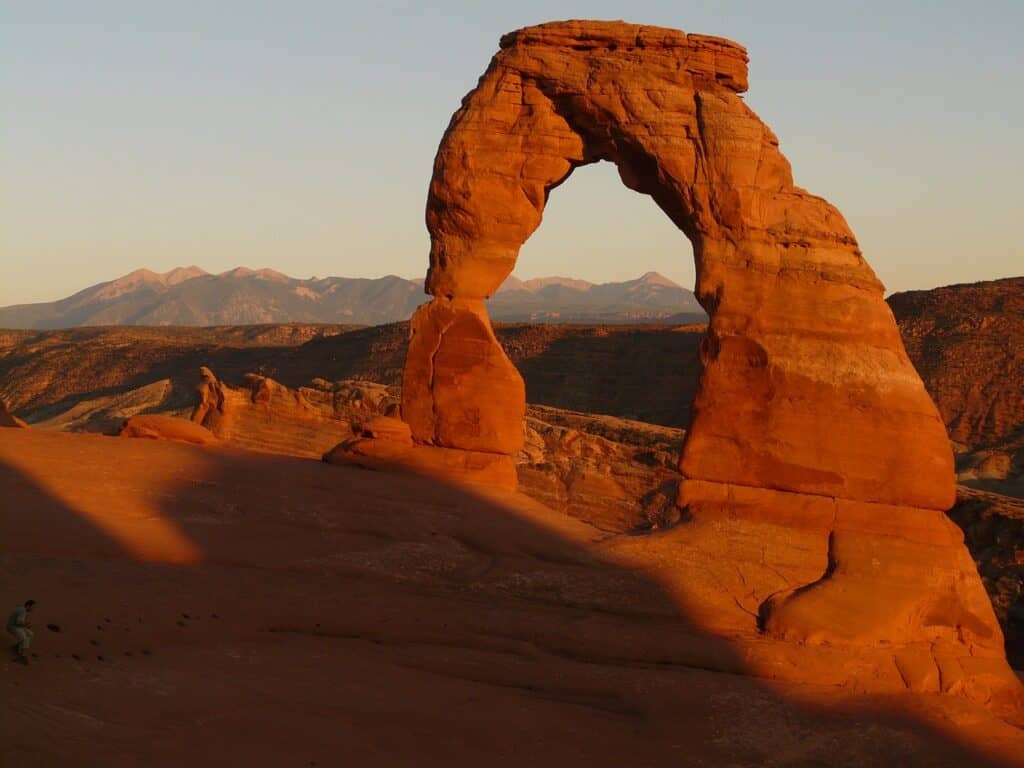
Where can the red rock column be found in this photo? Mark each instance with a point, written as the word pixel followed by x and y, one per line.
pixel 463 404
pixel 459 389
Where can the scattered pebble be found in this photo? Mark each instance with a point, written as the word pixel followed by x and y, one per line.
pixel 76 657
pixel 106 620
pixel 100 658
pixel 180 623
pixel 214 615
pixel 93 641
pixel 53 627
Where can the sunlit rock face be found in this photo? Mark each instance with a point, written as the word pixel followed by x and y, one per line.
pixel 806 385
pixel 264 415
pixel 816 468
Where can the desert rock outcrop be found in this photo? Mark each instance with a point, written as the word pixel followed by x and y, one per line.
pixel 264 415
pixel 967 342
pixel 486 628
pixel 615 474
pixel 803 361
pixel 8 419
pixel 386 443
pixel 156 426
pixel 816 468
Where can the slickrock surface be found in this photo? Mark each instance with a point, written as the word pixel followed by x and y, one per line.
pixel 393 453
pixel 614 474
pixel 44 374
pixel 816 468
pixel 634 372
pixel 220 607
pixel 158 427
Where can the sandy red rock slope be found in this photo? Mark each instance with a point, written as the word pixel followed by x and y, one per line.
pixel 229 608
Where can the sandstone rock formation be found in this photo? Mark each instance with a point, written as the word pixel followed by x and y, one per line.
pixel 155 426
pixel 264 415
pixel 486 629
pixel 815 467
pixel 615 474
pixel 386 443
pixel 8 419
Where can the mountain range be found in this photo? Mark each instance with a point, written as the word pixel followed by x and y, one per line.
pixel 190 296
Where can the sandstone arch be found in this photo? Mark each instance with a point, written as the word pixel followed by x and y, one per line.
pixel 810 424
pixel 806 386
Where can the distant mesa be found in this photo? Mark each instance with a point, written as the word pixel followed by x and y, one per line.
pixel 191 296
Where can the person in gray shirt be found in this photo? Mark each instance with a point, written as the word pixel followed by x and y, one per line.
pixel 19 626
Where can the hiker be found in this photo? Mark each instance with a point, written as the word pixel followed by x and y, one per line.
pixel 19 626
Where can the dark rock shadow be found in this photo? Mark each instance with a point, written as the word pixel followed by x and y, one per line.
pixel 610 370
pixel 339 614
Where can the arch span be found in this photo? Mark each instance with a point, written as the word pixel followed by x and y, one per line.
pixel 806 385
pixel 816 468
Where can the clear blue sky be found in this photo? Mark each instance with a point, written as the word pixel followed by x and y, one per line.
pixel 300 135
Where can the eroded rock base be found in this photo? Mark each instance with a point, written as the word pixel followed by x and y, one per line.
pixel 386 443
pixel 882 597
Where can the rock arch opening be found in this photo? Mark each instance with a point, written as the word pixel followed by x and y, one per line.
pixel 596 229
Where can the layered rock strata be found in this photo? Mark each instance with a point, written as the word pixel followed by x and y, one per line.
pixel 967 342
pixel 264 415
pixel 385 443
pixel 155 426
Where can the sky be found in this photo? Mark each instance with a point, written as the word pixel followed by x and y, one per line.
pixel 300 135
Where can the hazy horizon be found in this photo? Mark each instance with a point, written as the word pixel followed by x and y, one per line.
pixel 258 269
pixel 301 137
